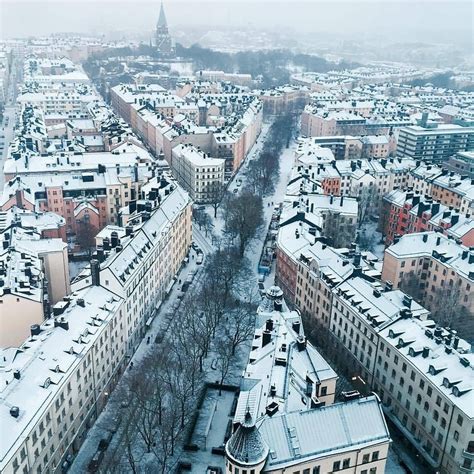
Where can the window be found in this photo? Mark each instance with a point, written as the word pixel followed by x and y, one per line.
pixel 336 466
pixel 346 463
pixel 316 470
pixel 375 456
pixel 365 458
pixel 459 420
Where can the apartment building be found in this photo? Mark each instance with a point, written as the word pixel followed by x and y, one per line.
pixel 224 124
pixel 424 376
pixel 280 352
pixel 405 212
pixel 462 163
pixel 434 145
pixel 422 373
pixel 56 382
pixel 302 221
pixel 283 99
pixel 438 261
pixel 81 187
pixel 139 260
pixel 33 271
pixel 200 175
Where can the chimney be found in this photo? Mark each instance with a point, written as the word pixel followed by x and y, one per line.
pixel 424 119
pixel 471 257
pixel 331 199
pixel 278 305
pixel 342 200
pixel 113 239
pixel 266 337
pixel 388 285
pixel 407 301
pixel 296 327
pixel 301 343
pixel 95 272
pixel 425 238
pixel 17 374
pixel 357 259
pixel 62 323
pixel 35 329
pixel 426 352
pixel 456 342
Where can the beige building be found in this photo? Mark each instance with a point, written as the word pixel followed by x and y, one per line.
pixel 424 376
pixel 421 372
pixel 55 384
pixel 200 175
pixel 437 261
pixel 34 272
pixel 138 261
pixel 287 387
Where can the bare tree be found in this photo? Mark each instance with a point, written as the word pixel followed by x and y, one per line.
pixel 339 229
pixel 216 191
pixel 448 310
pixel 412 285
pixel 369 203
pixel 243 218
pixel 203 220
pixel 226 272
pixel 85 235
pixel 240 325
pixel 224 357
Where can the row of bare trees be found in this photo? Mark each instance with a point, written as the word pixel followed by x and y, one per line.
pixel 262 173
pixel 159 396
pixel 447 304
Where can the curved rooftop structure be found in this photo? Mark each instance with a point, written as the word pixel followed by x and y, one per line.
pixel 246 446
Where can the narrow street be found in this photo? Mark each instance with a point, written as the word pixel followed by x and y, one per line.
pixel 8 124
pixel 109 420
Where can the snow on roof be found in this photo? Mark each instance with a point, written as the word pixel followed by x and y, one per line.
pixel 373 304
pixel 434 245
pixel 195 156
pixel 302 436
pixel 39 357
pixel 265 368
pixel 450 372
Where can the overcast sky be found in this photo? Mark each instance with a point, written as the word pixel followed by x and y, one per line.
pixel 403 20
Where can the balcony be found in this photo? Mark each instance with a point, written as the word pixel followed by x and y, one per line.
pixel 468 455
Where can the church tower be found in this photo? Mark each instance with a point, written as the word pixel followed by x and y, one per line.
pixel 164 43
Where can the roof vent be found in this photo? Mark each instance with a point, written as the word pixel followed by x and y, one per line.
pixel 15 412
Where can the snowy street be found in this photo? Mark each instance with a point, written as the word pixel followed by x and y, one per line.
pixel 109 420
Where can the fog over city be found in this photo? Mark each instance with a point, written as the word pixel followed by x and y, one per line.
pixel 236 236
pixel 397 21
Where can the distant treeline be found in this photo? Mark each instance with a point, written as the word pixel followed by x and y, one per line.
pixel 272 66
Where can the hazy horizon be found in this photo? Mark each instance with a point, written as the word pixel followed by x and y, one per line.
pixel 394 21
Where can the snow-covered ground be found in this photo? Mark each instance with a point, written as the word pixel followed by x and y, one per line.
pixel 109 419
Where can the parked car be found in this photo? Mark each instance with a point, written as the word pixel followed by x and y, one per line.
pixel 199 259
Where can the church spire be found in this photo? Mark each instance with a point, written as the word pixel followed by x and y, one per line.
pixel 162 23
